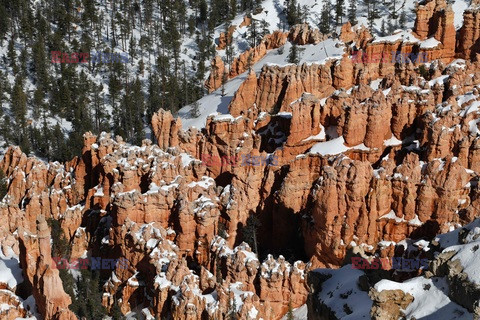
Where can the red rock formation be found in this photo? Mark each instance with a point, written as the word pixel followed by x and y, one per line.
pixel 246 59
pixel 50 298
pixel 215 77
pixel 244 97
pixel 166 208
pixel 225 38
pixel 469 34
pixel 168 135
pixel 246 21
pixel 302 34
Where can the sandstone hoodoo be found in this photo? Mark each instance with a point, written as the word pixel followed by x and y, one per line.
pixel 293 172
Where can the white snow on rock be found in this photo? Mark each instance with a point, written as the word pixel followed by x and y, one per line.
pixel 406 36
pixel 393 141
pixel 334 146
pixel 10 270
pixel 430 298
pixel 205 182
pixel 429 43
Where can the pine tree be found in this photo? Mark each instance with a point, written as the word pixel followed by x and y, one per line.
pixel 218 270
pixel 12 55
pixel 250 232
pixel 233 9
pixel 305 14
pixel 292 12
pixel 325 18
pixel 290 311
pixel 60 150
pixel 224 80
pixel 293 55
pixel 393 11
pixel 383 30
pixel 39 62
pixel 116 312
pixel 339 13
pixel 138 106
pixel 195 110
pixel 264 28
pixel 3 185
pixel 19 102
pixel 253 32
pixel 4 20
pixel 372 13
pixel 352 12
pixel 402 20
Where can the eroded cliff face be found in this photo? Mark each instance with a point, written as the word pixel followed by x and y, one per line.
pixel 361 156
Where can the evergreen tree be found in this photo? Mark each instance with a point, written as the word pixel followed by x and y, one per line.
pixel 293 55
pixel 325 18
pixel 3 185
pixel 12 55
pixel 138 106
pixel 264 28
pixel 203 11
pixel 339 12
pixel 116 312
pixel 39 63
pixel 250 232
pixel 393 15
pixel 383 30
pixel 60 150
pixel 292 12
pixel 352 12
pixel 218 270
pixel 402 20
pixel 290 311
pixel 305 14
pixel 229 49
pixel 372 13
pixel 60 245
pixel 19 107
pixel 233 9
pixel 254 33
pixel 224 80
pixel 4 19
pixel 195 110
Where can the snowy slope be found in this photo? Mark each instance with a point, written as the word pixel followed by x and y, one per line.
pixel 342 295
pixel 215 103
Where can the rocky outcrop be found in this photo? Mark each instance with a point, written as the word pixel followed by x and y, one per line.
pixel 166 128
pixel 435 18
pixel 215 78
pixel 12 307
pixel 469 34
pixel 388 304
pixel 303 34
pixel 451 263
pixel 225 38
pixel 427 17
pixel 36 261
pixel 252 55
pixel 244 98
pixel 246 22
